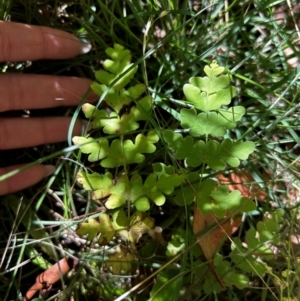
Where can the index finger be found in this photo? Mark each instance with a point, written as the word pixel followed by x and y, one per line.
pixel 20 42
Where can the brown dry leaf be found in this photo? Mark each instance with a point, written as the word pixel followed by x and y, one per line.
pixel 121 261
pixel 213 239
pixel 226 226
pixel 222 228
pixel 241 181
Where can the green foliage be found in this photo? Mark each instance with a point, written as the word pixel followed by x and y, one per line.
pixel 113 123
pixel 119 152
pixel 177 243
pixel 119 64
pixel 129 230
pixel 212 123
pixel 249 258
pixel 172 40
pixel 156 186
pixel 91 228
pixel 211 197
pixel 166 285
pixel 211 92
pixel 201 144
pixel 212 153
pixel 227 274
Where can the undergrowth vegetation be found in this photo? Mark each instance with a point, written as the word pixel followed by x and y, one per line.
pixel 186 186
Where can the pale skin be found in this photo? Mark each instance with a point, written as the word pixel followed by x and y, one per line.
pixel 20 42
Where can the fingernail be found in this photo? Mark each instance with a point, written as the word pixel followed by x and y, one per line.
pixel 85 47
pixel 49 169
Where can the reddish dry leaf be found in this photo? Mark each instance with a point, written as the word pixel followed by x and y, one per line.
pixel 212 241
pixel 244 182
pixel 214 238
pixel 45 280
pixel 226 226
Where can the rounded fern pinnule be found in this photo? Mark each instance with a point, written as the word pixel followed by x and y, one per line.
pixel 214 154
pixel 213 123
pixel 119 68
pixel 211 92
pixel 119 152
pixel 132 189
pixel 256 239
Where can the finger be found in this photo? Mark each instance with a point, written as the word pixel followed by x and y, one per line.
pixel 19 91
pixel 23 179
pixel 27 132
pixel 19 42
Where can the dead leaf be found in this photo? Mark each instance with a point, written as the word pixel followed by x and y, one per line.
pixel 224 227
pixel 244 182
pixel 45 280
pixel 214 238
pixel 211 241
pixel 121 261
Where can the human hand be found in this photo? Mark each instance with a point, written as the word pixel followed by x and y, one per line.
pixel 20 42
